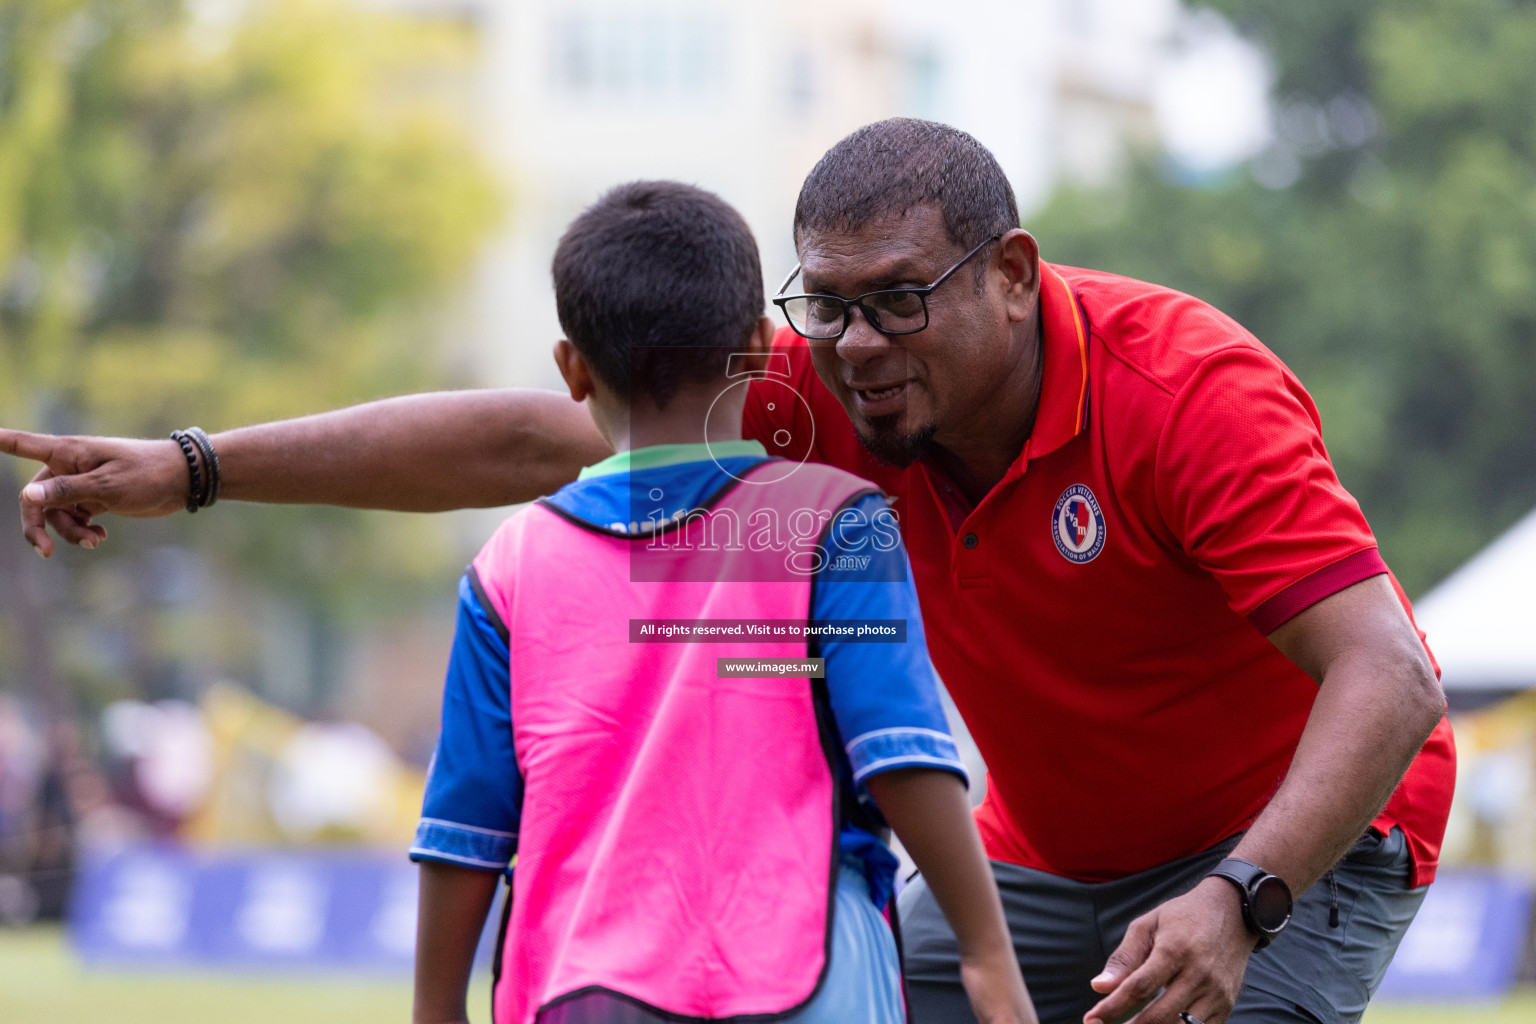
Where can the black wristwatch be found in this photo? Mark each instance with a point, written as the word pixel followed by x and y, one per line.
pixel 1265 897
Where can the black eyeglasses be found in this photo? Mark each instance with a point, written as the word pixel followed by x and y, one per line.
pixel 889 310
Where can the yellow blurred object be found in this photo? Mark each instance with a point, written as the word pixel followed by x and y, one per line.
pixel 1493 817
pixel 254 749
pixel 1499 725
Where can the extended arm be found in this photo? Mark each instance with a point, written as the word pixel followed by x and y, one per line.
pixel 418 453
pixel 1378 702
pixel 931 816
pixel 452 905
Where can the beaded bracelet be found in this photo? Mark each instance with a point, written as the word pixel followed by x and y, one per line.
pixel 189 449
pixel 210 466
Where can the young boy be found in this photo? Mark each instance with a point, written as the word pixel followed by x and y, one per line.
pixel 693 841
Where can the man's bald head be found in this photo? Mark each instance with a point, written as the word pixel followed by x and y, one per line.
pixel 889 167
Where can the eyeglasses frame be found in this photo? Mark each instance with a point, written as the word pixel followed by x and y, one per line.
pixel 871 316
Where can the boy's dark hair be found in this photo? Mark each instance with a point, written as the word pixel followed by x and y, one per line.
pixel 654 279
pixel 891 166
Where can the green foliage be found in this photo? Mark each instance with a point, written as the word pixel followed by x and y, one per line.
pixel 224 218
pixel 1396 274
pixel 224 224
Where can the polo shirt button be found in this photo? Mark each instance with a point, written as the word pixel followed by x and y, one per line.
pixel 970 540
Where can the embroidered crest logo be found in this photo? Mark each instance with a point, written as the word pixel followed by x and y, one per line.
pixel 1077 525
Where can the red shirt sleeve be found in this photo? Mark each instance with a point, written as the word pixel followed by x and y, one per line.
pixel 1246 486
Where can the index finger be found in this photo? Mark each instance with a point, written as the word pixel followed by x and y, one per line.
pixel 38 447
pixel 1136 990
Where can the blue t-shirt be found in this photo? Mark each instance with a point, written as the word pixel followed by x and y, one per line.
pixel 883 696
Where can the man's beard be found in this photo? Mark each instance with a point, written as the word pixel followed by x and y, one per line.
pixel 887 442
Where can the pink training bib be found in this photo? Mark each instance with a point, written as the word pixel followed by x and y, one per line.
pixel 678 837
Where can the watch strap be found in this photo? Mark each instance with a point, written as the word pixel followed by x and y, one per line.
pixel 1245 874
pixel 1241 873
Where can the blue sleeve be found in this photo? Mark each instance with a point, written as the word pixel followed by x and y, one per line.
pixel 884 696
pixel 474 797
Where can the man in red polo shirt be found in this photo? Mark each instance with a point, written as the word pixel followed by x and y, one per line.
pixel 1196 685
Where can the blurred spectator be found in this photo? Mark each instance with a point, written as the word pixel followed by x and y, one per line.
pixel 21 765
pixel 163 754
pixel 47 786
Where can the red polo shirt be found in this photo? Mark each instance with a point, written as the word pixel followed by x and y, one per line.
pixel 1100 616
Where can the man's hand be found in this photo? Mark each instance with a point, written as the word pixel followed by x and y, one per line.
pixel 1378 700
pixel 415 453
pixel 83 477
pixel 1194 948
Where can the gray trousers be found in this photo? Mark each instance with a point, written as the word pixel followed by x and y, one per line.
pixel 1064 931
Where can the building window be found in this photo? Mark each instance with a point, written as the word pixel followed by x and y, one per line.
pixel 800 82
pixel 660 55
pixel 923 80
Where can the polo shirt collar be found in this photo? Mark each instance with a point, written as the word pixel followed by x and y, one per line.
pixel 1063 412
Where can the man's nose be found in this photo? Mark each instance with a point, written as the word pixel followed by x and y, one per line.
pixel 860 342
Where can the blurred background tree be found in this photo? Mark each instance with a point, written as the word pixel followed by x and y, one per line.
pixel 223 213
pixel 1384 245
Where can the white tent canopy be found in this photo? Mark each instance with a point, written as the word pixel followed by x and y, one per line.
pixel 1481 620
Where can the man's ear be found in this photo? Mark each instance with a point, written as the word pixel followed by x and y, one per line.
pixel 574 369
pixel 1019 258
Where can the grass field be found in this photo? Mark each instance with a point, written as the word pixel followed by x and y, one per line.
pixel 1519 1010
pixel 42 983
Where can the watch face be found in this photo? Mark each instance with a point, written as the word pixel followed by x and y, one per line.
pixel 1271 904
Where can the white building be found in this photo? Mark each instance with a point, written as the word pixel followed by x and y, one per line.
pixel 743 97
